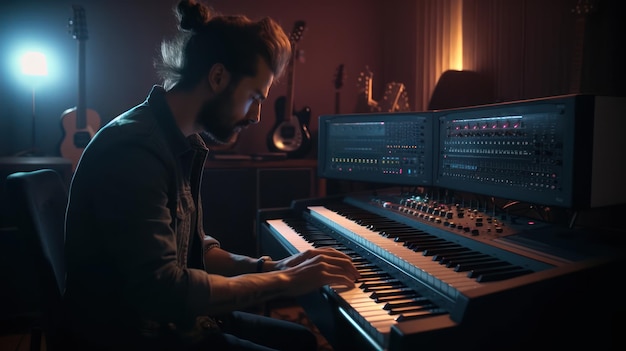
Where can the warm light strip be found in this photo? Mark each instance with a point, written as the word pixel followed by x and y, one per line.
pixel 456 36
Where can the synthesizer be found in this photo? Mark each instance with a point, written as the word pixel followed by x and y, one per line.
pixel 476 246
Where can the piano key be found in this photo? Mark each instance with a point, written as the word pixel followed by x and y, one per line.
pixel 495 276
pixel 406 302
pixel 419 314
pixel 445 250
pixel 464 267
pixel 443 259
pixel 409 309
pixel 477 272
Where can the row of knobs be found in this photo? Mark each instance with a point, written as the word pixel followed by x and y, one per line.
pixel 443 215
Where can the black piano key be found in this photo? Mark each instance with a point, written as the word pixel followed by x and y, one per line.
pixel 373 278
pixel 445 258
pixel 391 292
pixel 399 296
pixel 425 249
pixel 363 264
pixel 365 285
pixel 420 314
pixel 475 273
pixel 402 233
pixel 464 267
pixel 412 309
pixel 478 258
pixel 497 276
pixel 374 275
pixel 388 225
pixel 443 251
pixel 420 247
pixel 376 288
pixel 406 302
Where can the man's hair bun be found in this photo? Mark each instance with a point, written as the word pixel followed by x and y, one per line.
pixel 192 15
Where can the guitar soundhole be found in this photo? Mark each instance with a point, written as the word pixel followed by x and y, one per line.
pixel 288 132
pixel 81 139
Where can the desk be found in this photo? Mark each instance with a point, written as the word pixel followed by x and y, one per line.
pixel 234 190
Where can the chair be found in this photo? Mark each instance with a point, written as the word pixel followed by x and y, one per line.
pixel 460 89
pixel 39 199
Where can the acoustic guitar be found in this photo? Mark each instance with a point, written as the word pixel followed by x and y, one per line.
pixel 290 133
pixel 79 123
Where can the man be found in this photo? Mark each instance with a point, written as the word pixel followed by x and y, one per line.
pixel 141 272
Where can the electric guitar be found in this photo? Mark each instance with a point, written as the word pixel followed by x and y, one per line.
pixel 340 76
pixel 582 9
pixel 365 103
pixel 395 98
pixel 290 133
pixel 79 123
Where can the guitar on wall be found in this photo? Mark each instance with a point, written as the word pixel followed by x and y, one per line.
pixel 290 133
pixel 365 102
pixel 395 98
pixel 582 10
pixel 79 123
pixel 340 76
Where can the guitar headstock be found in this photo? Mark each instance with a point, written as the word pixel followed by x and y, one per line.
pixel 364 82
pixel 297 32
pixel 584 7
pixel 395 98
pixel 78 24
pixel 364 85
pixel 340 76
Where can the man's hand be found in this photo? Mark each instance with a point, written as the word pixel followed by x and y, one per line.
pixel 318 267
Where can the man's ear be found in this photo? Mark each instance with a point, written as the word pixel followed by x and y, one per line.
pixel 219 77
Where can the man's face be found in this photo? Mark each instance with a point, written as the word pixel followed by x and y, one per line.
pixel 236 107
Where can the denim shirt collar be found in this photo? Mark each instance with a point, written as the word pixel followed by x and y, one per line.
pixel 175 138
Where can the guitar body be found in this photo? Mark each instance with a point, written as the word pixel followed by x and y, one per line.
pixel 290 135
pixel 75 138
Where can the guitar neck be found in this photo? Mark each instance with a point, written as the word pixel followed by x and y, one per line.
pixel 337 102
pixel 289 105
pixel 577 58
pixel 81 115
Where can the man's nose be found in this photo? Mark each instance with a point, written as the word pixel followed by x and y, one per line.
pixel 254 114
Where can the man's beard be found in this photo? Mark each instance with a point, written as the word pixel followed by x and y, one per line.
pixel 215 118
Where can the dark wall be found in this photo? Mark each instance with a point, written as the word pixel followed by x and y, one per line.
pixel 124 37
pixel 525 47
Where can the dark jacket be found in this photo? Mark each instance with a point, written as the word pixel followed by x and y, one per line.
pixel 134 237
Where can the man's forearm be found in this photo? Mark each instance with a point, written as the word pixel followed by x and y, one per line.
pixel 219 261
pixel 228 294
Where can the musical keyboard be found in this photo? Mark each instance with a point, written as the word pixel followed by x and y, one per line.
pixel 424 283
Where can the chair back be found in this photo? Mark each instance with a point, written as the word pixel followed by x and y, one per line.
pixel 460 89
pixel 39 199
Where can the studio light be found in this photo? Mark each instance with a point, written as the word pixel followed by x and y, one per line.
pixel 33 65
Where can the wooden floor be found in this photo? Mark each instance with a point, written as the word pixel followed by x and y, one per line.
pixel 14 335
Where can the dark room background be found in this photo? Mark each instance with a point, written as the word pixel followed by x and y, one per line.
pixel 525 48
